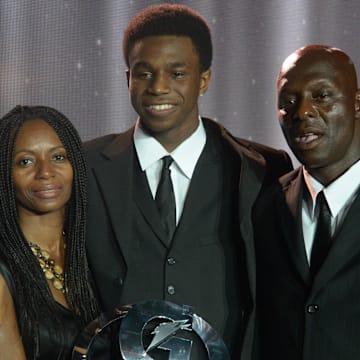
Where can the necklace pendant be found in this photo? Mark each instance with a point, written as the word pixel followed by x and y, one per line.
pixel 58 269
pixel 48 274
pixel 52 271
pixel 45 255
pixel 58 284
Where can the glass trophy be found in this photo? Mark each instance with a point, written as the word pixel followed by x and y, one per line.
pixel 152 329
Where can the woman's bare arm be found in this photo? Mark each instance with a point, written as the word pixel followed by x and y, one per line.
pixel 10 340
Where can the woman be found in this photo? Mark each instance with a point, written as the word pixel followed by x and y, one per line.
pixel 45 294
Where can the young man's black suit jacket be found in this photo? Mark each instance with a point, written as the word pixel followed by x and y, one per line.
pixel 111 160
pixel 298 318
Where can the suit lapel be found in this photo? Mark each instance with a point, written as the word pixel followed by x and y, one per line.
pixel 252 173
pixel 146 203
pixel 346 245
pixel 197 191
pixel 114 178
pixel 251 176
pixel 288 209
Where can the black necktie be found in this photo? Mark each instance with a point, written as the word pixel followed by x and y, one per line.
pixel 322 238
pixel 165 198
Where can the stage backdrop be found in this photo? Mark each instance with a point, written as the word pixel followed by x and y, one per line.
pixel 67 54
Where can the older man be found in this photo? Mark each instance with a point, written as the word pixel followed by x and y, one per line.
pixel 307 227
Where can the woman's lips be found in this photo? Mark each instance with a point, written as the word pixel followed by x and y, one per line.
pixel 47 192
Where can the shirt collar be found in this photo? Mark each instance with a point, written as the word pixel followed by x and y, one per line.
pixel 338 192
pixel 186 155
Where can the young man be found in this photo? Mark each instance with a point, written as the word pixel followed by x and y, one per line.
pixel 308 255
pixel 205 257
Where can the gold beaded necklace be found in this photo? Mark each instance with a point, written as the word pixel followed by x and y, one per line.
pixel 52 271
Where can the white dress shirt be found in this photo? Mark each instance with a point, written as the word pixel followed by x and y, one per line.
pixel 339 195
pixel 150 152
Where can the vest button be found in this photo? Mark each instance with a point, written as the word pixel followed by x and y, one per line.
pixel 171 261
pixel 313 308
pixel 171 290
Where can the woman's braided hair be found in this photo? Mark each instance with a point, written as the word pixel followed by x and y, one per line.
pixel 32 296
